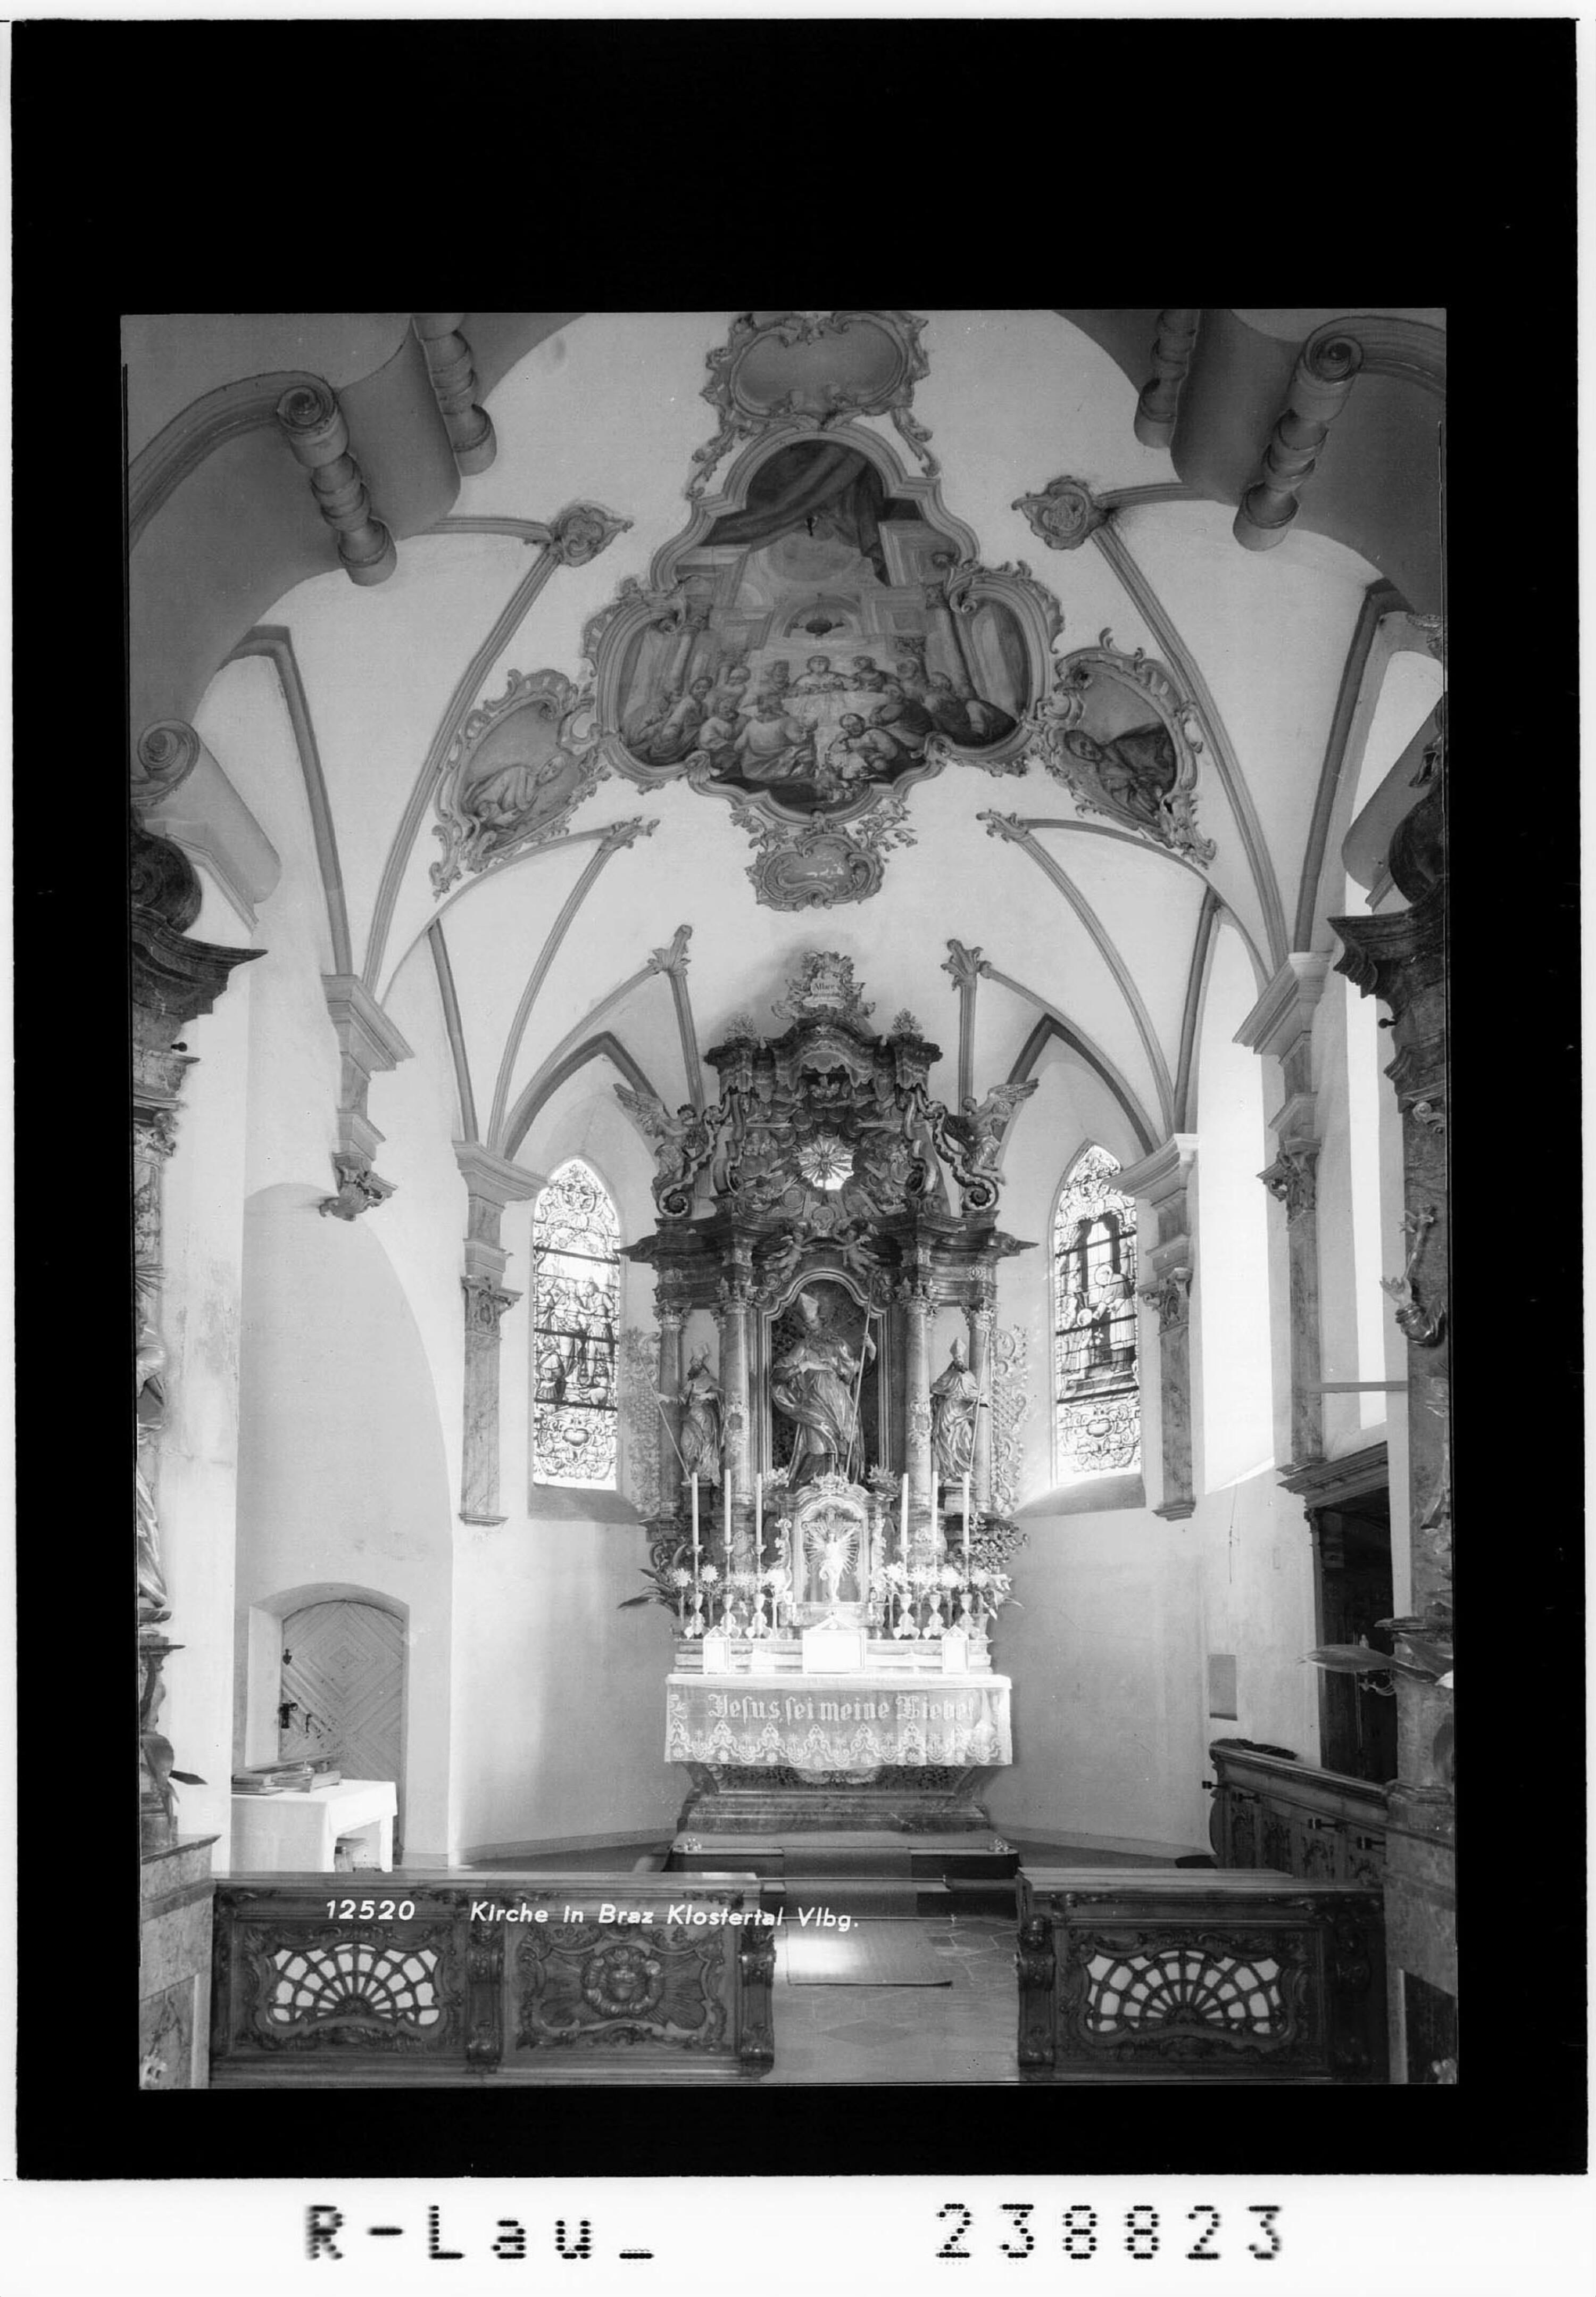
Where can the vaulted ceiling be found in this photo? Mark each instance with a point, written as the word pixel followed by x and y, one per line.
pixel 1084 918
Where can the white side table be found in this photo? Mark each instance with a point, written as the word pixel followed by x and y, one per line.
pixel 294 1834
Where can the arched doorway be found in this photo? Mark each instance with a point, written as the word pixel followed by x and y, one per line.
pixel 341 1689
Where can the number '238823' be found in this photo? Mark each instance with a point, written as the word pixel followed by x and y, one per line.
pixel 1081 2231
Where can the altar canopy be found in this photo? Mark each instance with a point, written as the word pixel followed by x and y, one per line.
pixel 858 1723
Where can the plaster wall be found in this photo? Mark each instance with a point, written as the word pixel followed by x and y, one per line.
pixel 342 1470
pixel 559 1693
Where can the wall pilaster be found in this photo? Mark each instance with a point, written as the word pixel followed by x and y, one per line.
pixel 1165 1255
pixel 1280 1028
pixel 490 1185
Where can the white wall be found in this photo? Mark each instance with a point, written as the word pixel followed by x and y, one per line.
pixel 1230 1207
pixel 342 1471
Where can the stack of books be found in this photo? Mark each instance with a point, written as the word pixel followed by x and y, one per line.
pixel 275 1778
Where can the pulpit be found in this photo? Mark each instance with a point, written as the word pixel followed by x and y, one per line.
pixel 827 1242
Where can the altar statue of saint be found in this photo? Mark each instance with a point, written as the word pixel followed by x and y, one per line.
pixel 701 1418
pixel 954 1398
pixel 814 1383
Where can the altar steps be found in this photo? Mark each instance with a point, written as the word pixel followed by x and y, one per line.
pixel 871 1877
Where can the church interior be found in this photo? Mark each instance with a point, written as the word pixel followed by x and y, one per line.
pixel 791 1197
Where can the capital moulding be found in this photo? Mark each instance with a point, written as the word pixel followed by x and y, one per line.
pixel 365 1034
pixel 1286 1008
pixel 1170 1295
pixel 1293 1178
pixel 368 1043
pixel 496 1179
pixel 1159 1176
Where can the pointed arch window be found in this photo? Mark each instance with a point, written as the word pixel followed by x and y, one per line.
pixel 1097 1410
pixel 576 1311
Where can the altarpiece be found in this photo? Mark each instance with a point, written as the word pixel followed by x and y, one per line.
pixel 827 1517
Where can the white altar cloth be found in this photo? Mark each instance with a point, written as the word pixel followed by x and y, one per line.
pixel 838 1723
pixel 294 1834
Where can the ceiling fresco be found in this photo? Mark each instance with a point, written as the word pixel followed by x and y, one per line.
pixel 737 632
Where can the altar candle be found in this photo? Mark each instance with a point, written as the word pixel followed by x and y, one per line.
pixel 726 1510
pixel 695 1520
pixel 966 1522
pixel 903 1518
pixel 759 1521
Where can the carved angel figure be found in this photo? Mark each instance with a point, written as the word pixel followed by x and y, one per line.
pixel 677 1141
pixel 982 1124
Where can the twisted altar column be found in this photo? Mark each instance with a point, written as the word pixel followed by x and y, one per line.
pixel 670 1389
pixel 982 1316
pixel 916 1298
pixel 735 1294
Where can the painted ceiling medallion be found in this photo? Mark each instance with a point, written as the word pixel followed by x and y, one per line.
pixel 515 772
pixel 821 636
pixel 812 369
pixel 1123 740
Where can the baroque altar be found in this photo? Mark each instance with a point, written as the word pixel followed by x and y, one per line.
pixel 826 1262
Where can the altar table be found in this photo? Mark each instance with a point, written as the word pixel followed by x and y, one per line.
pixel 294 1834
pixel 837 1722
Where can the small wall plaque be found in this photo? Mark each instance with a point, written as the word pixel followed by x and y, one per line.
pixel 956 1652
pixel 834 1650
pixel 717 1655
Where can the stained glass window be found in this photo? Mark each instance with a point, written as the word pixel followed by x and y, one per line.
pixel 1096 1390
pixel 576 1310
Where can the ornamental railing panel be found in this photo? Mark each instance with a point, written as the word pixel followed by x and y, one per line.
pixel 1191 1975
pixel 376 1979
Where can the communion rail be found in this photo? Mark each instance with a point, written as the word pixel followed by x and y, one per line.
pixel 1191 1975
pixel 435 1980
pixel 1270 1811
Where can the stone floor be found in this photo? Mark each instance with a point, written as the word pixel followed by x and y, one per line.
pixel 964 2032
pixel 825 2035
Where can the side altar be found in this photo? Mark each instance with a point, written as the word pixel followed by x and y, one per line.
pixel 825 1264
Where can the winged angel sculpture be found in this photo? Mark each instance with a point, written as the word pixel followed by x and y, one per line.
pixel 682 1145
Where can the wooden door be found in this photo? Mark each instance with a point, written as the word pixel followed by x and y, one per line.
pixel 342 1693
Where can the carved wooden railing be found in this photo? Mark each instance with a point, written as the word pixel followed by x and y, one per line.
pixel 1191 1975
pixel 418 1978
pixel 1269 1811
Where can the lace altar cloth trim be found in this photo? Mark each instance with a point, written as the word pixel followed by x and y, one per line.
pixel 853 1723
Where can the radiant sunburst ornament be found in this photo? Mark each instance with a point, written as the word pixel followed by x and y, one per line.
pixel 826 1161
